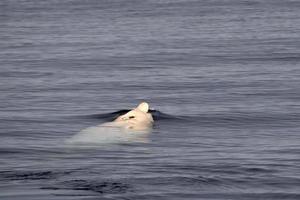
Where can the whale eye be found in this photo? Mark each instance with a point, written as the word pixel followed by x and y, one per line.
pixel 131 117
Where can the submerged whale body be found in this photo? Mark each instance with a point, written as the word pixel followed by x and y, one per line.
pixel 131 126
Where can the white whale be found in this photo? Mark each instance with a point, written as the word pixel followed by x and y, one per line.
pixel 136 119
pixel 134 126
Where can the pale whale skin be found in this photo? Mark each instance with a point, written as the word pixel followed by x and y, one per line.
pixel 136 119
pixel 134 126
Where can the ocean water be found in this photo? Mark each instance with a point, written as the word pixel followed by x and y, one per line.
pixel 222 79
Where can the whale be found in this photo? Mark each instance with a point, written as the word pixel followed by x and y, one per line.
pixel 133 126
pixel 136 119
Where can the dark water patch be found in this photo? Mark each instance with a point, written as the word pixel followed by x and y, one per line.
pixel 198 181
pixel 106 116
pixel 105 187
pixel 258 170
pixel 6 151
pixel 24 74
pixel 30 175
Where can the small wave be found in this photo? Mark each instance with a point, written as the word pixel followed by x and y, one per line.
pixel 25 74
pixel 249 119
pixel 157 115
pixel 226 119
pixel 29 175
pixel 102 187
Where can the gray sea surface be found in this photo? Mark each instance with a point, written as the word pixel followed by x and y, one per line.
pixel 222 78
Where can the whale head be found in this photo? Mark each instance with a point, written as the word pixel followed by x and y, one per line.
pixel 137 118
